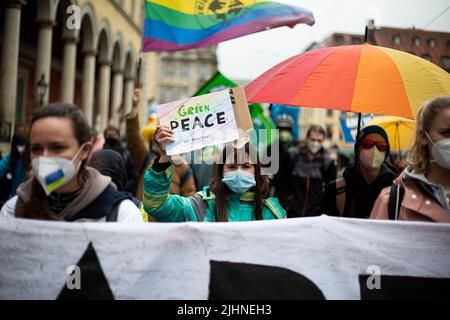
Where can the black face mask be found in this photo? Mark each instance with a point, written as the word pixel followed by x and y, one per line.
pixel 112 142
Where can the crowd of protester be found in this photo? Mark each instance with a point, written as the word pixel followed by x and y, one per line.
pixel 52 173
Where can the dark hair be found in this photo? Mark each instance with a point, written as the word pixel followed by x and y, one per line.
pixel 110 163
pixel 315 128
pixel 111 128
pixel 221 191
pixel 36 208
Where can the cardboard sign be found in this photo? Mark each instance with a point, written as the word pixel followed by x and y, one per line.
pixel 205 120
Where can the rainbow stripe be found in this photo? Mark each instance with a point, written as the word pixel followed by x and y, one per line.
pixel 357 78
pixel 172 25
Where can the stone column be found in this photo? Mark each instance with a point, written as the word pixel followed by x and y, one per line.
pixel 103 93
pixel 68 69
pixel 127 98
pixel 9 66
pixel 117 97
pixel 88 86
pixel 44 56
pixel 128 94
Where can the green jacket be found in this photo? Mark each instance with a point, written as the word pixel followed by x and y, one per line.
pixel 174 208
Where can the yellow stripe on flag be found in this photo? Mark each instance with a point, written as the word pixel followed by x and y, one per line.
pixel 193 6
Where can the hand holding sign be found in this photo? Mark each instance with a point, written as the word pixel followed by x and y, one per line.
pixel 163 135
pixel 205 120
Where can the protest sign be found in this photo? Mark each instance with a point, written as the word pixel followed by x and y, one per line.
pixel 205 120
pixel 304 258
pixel 349 126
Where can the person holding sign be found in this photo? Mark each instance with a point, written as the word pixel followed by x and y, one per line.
pixel 238 191
pixel 144 151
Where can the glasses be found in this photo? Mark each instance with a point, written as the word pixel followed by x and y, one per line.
pixel 368 144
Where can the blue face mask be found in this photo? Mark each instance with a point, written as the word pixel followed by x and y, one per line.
pixel 239 181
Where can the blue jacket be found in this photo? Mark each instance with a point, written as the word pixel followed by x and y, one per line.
pixel 173 208
pixel 19 174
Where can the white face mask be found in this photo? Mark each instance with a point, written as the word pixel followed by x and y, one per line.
pixel 314 146
pixel 54 172
pixel 371 158
pixel 21 149
pixel 441 152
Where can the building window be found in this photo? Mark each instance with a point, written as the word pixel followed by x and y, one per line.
pixel 329 131
pixel 183 93
pixel 446 62
pixel 448 44
pixel 203 71
pixel 432 42
pixel 329 113
pixel 167 94
pixel 169 69
pixel 184 70
pixel 426 57
pixel 339 40
pixel 417 42
pixel 356 40
pixel 397 39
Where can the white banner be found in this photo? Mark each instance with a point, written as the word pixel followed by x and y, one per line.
pixel 306 258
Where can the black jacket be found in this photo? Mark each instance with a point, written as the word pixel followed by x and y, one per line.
pixel 300 181
pixel 132 178
pixel 359 196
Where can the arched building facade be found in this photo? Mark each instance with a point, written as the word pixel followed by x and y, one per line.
pixel 85 52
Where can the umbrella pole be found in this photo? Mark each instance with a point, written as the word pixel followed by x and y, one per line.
pixel 397 131
pixel 356 139
pixel 359 126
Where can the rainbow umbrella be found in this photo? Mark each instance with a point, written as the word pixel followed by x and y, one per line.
pixel 357 78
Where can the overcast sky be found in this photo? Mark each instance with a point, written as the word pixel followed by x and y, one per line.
pixel 247 57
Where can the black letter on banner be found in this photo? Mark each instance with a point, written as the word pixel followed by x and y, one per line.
pixel 221 117
pixel 185 124
pixel 197 122
pixel 236 281
pixel 207 124
pixel 405 288
pixel 94 285
pixel 173 124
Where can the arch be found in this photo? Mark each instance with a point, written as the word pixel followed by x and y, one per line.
pixel 130 63
pixel 88 30
pixel 104 47
pixel 46 10
pixel 62 18
pixel 118 56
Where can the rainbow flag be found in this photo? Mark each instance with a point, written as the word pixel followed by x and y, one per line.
pixel 173 25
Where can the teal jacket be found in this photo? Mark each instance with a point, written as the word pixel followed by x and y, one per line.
pixel 174 208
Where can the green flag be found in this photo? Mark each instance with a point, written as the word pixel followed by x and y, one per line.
pixel 220 82
pixel 216 83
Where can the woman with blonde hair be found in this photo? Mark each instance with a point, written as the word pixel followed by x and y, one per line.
pixel 422 191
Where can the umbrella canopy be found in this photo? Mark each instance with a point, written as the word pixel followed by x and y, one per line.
pixel 401 131
pixel 357 78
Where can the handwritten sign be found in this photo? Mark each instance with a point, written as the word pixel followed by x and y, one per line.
pixel 200 121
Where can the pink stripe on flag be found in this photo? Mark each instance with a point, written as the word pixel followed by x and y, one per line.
pixel 152 44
